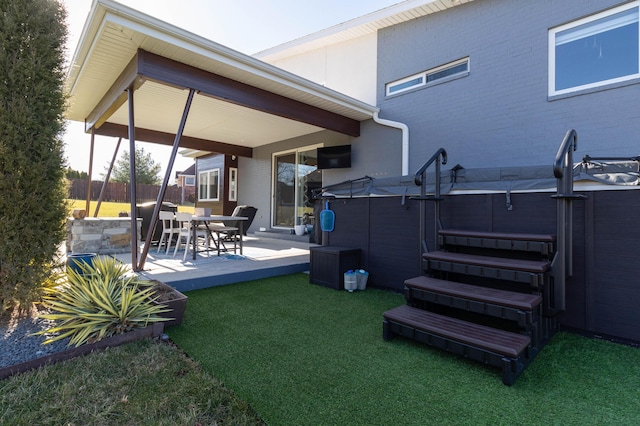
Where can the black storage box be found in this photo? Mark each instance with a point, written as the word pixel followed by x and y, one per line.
pixel 329 263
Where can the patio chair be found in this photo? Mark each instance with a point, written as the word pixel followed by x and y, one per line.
pixel 241 211
pixel 184 223
pixel 224 233
pixel 169 229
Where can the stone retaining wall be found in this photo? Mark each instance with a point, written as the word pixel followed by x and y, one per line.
pixel 100 235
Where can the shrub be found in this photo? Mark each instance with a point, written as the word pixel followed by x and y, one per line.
pixel 100 301
pixel 32 189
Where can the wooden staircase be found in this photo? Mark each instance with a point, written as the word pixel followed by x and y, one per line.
pixel 491 297
pixel 483 297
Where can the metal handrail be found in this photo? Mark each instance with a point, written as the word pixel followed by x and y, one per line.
pixel 420 181
pixel 420 173
pixel 564 157
pixel 562 264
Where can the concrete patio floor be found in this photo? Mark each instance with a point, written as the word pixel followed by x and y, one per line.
pixel 262 257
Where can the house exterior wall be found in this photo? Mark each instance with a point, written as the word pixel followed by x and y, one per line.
pixel 500 114
pixel 217 161
pixel 348 67
pixel 376 153
pixel 187 192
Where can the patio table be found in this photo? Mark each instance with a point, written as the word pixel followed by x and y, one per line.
pixel 214 218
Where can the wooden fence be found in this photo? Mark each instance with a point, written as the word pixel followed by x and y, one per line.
pixel 119 192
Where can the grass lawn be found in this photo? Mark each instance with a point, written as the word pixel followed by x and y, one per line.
pixel 109 208
pixel 141 383
pixel 303 354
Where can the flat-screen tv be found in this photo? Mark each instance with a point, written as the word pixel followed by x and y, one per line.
pixel 334 157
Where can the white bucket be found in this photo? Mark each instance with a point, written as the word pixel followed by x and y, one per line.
pixel 361 277
pixel 350 281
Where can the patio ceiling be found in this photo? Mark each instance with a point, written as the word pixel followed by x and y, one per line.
pixel 240 102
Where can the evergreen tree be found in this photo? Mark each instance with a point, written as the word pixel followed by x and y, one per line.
pixel 147 170
pixel 75 174
pixel 32 185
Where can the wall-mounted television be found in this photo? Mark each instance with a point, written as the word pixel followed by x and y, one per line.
pixel 334 157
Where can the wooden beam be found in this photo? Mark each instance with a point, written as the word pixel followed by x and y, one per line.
pixel 116 96
pixel 163 138
pixel 168 71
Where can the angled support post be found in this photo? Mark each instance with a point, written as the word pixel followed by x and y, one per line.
pixel 165 182
pixel 132 180
pixel 88 203
pixel 106 178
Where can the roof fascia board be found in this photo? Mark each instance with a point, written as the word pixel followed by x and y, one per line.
pixel 368 23
pixel 164 138
pixel 168 71
pixel 116 96
pixel 92 26
pixel 75 71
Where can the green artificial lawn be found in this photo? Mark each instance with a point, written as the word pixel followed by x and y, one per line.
pixel 303 354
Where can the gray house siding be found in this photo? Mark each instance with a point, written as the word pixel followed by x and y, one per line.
pixel 500 114
pixel 376 152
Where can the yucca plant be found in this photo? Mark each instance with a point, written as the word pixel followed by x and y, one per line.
pixel 101 301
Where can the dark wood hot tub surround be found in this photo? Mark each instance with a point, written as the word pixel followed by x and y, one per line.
pixel 602 294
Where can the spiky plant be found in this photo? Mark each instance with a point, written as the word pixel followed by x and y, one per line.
pixel 102 300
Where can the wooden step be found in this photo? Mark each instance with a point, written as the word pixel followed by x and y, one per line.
pixel 532 266
pixel 539 243
pixel 519 307
pixel 489 339
pixel 518 270
pixel 499 235
pixel 499 348
pixel 511 299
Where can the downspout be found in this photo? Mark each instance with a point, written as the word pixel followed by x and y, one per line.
pixel 405 139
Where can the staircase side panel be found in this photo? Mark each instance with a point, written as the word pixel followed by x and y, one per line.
pixel 614 292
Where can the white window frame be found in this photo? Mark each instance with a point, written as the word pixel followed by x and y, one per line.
pixel 208 174
pixel 552 51
pixel 189 181
pixel 233 184
pixel 422 78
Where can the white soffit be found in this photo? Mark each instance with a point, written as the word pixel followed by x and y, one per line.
pixel 208 118
pixel 358 27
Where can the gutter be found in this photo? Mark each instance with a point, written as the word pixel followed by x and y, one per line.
pixel 405 139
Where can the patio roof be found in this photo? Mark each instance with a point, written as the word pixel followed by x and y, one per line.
pixel 240 102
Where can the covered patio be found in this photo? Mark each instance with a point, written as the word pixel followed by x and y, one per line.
pixel 263 257
pixel 135 77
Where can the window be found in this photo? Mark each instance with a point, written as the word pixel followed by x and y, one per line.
pixel 189 181
pixel 233 184
pixel 209 185
pixel 459 68
pixel 595 51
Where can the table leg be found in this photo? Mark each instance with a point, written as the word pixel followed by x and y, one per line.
pixel 194 241
pixel 241 233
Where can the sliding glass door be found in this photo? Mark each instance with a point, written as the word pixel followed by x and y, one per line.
pixel 296 175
